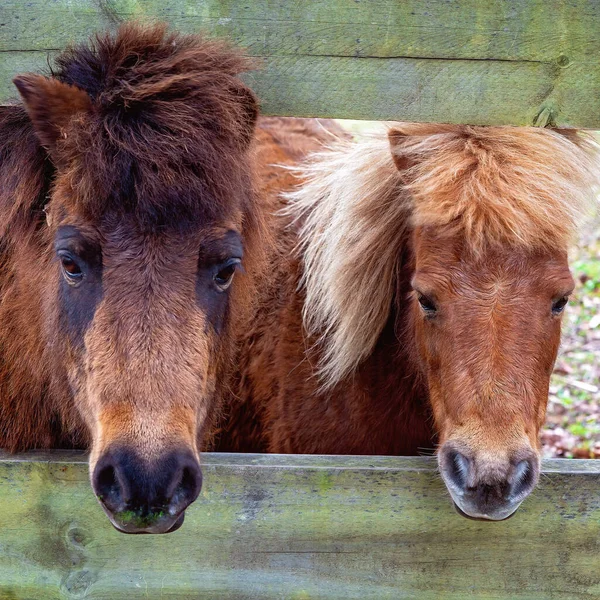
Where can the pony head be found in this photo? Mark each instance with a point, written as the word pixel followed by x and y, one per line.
pixel 149 218
pixel 484 217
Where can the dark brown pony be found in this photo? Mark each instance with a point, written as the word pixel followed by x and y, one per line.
pixel 416 296
pixel 127 207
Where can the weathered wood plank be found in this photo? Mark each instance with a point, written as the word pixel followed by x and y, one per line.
pixel 271 526
pixel 493 62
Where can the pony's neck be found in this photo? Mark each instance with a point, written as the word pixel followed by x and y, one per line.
pixel 393 377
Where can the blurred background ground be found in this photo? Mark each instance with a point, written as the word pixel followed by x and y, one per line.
pixel 572 427
pixel 573 420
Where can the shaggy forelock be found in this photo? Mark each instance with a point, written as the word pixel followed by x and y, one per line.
pixel 523 186
pixel 498 185
pixel 169 124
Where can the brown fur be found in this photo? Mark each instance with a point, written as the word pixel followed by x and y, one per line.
pixel 281 144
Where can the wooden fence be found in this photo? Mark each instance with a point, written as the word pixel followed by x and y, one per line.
pixel 270 527
pixel 300 527
pixel 486 62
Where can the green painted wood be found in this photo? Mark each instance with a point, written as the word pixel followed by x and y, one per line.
pixel 492 62
pixel 299 527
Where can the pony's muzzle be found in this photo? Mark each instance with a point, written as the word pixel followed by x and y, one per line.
pixel 486 489
pixel 141 496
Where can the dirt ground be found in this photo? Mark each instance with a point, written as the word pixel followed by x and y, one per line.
pixel 572 427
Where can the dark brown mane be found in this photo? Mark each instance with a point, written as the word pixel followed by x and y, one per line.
pixel 25 174
pixel 167 109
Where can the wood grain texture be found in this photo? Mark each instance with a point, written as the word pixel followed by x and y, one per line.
pixel 461 61
pixel 300 527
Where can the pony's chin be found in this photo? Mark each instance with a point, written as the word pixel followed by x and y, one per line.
pixel 154 530
pixel 462 513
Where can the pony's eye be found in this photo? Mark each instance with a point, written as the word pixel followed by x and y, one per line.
pixel 559 305
pixel 224 275
pixel 427 304
pixel 70 268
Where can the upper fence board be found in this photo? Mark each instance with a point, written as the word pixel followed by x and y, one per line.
pixel 461 61
pixel 299 527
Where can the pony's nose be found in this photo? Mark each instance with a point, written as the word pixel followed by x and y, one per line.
pixel 488 489
pixel 146 497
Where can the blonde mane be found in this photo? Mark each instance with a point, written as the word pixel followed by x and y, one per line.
pixel 529 187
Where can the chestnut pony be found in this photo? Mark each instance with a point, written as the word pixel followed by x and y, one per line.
pixel 127 206
pixel 416 295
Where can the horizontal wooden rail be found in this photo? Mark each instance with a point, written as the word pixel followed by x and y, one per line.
pixel 272 526
pixel 462 61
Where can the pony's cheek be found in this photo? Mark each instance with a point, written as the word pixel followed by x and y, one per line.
pixel 438 408
pixel 75 370
pixel 425 348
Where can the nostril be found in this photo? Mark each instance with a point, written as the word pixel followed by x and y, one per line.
pixel 107 479
pixel 188 481
pixel 457 469
pixel 107 487
pixel 187 488
pixel 523 479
